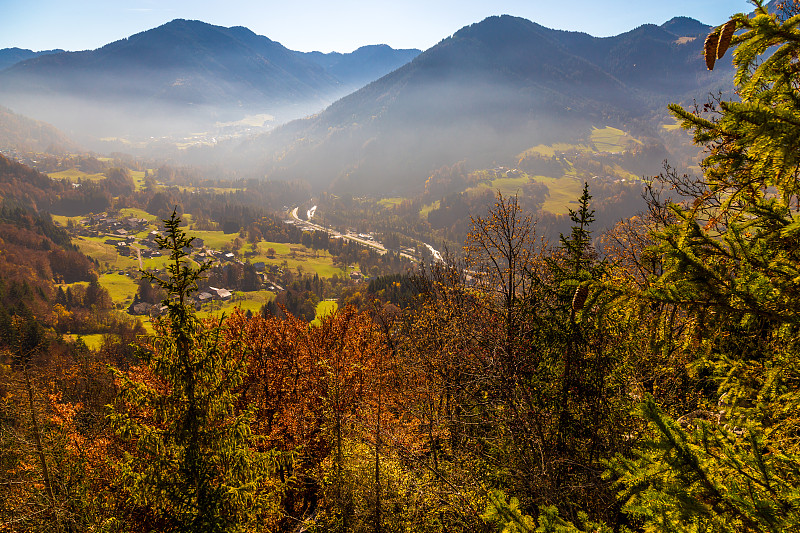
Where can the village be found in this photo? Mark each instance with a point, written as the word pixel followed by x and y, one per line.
pixel 134 237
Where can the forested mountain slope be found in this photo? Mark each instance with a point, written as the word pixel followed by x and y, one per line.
pixel 483 95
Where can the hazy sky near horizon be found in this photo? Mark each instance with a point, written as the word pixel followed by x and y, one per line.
pixel 326 25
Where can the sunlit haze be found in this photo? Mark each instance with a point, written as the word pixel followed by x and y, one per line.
pixel 329 26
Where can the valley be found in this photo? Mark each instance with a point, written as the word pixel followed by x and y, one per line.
pixel 523 280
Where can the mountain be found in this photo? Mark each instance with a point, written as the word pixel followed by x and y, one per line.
pixel 363 65
pixel 485 94
pixel 11 56
pixel 686 27
pixel 662 62
pixel 182 75
pixel 22 134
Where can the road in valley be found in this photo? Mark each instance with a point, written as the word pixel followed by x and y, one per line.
pixel 372 244
pixel 310 225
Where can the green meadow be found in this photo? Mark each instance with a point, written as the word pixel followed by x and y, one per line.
pixel 93 341
pixel 549 150
pixel 128 212
pixel 74 175
pixel 138 179
pixel 63 220
pixel 507 186
pixel 564 190
pixel 214 240
pixel 563 193
pixel 324 308
pixel 109 259
pixel 610 139
pixel 423 213
pixel 246 301
pixel 120 287
pixel 390 202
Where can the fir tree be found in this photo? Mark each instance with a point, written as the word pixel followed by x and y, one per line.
pixel 192 463
pixel 732 266
pixel 577 246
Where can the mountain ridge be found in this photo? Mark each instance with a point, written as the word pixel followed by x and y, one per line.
pixel 488 92
pixel 194 69
pixel 12 56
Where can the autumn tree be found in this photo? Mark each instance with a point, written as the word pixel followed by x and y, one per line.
pixel 564 409
pixel 499 254
pixel 328 394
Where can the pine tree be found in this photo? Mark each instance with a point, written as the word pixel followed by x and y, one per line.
pixel 577 246
pixel 191 464
pixel 732 267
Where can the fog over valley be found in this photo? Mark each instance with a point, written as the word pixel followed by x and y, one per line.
pixel 184 77
pixel 502 93
pixel 526 279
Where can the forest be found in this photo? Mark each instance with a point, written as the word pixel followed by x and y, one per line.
pixel 645 379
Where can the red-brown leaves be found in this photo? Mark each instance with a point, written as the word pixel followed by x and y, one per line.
pixel 300 378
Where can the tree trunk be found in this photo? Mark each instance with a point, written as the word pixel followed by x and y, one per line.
pixel 38 439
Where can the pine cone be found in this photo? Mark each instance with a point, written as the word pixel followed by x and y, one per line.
pixel 710 49
pixel 580 297
pixel 725 37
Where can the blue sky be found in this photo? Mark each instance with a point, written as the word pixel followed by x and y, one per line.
pixel 328 25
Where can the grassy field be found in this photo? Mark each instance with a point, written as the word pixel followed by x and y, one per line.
pixel 549 150
pixel 128 212
pixel 106 254
pixel 322 265
pixel 74 175
pixel 423 213
pixel 214 239
pixel 281 248
pixel 62 220
pixel 138 179
pixel 65 286
pixel 120 288
pixel 610 139
pixel 109 259
pixel 617 170
pixel 319 261
pixel 325 307
pixel 93 341
pixel 564 192
pixel 507 186
pixel 390 202
pixel 606 139
pixel 252 301
pixel 247 301
pixel 125 212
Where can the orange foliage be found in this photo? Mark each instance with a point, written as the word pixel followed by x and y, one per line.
pixel 300 376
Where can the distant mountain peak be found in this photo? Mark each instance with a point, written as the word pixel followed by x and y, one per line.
pixel 491 90
pixel 11 56
pixel 184 72
pixel 685 27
